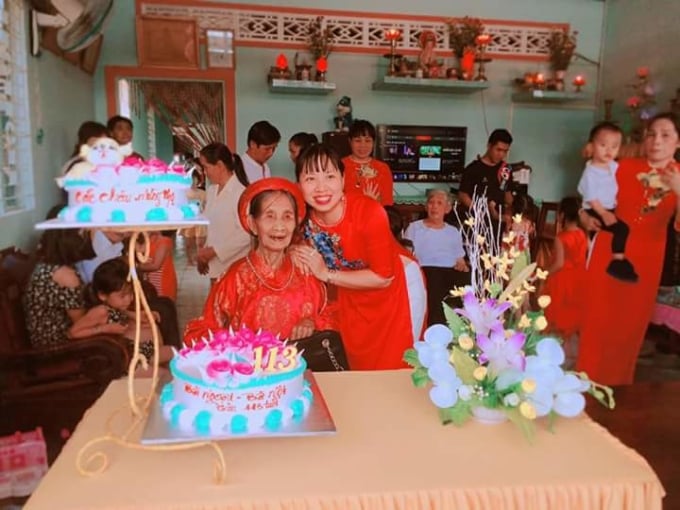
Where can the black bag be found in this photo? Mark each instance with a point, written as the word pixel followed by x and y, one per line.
pixel 324 352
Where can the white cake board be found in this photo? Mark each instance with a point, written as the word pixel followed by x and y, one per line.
pixel 147 225
pixel 318 422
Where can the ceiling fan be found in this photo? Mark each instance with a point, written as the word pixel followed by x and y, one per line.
pixel 80 22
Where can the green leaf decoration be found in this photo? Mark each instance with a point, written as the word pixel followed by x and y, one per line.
pixel 457 414
pixel 552 419
pixel 464 364
pixel 411 357
pixel 420 377
pixel 455 322
pixel 524 424
pixel 495 289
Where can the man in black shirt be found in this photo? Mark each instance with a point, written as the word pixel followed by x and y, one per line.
pixel 489 175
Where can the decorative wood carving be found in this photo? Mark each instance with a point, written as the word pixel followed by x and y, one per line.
pixel 167 42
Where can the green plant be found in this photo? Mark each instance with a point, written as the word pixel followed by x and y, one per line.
pixel 561 46
pixel 320 39
pixel 463 32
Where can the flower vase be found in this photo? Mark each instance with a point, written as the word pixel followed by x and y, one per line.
pixel 320 76
pixel 488 416
pixel 559 79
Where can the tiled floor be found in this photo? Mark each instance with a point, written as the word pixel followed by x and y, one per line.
pixel 192 287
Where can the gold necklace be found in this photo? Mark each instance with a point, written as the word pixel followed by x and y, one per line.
pixel 322 223
pixel 261 279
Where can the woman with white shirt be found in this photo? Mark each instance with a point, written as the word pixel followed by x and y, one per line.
pixel 226 241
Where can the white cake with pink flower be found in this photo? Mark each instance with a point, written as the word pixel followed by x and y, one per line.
pixel 236 382
pixel 106 186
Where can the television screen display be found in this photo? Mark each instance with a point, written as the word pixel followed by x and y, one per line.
pixel 422 153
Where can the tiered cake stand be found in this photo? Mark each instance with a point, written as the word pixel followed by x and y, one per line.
pixel 91 459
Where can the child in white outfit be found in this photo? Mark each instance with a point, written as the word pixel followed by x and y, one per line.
pixel 599 188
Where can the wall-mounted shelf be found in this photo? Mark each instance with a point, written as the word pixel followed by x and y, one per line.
pixel 301 86
pixel 405 84
pixel 549 96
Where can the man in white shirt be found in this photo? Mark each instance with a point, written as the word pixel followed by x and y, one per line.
pixel 263 138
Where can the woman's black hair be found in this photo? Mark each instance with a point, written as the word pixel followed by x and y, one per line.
pixel 110 276
pixel 524 205
pixel 317 158
pixel 303 140
pixel 217 151
pixel 568 208
pixel 65 247
pixel 670 116
pixel 88 129
pixel 113 122
pixel 361 128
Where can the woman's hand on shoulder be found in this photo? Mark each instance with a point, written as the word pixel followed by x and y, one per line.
pixel 298 256
pixel 66 276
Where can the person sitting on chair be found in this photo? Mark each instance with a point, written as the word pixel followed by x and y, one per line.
pixel 438 247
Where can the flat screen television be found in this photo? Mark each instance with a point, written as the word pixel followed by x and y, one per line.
pixel 422 153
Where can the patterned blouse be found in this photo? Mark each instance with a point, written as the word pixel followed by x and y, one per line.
pixel 46 306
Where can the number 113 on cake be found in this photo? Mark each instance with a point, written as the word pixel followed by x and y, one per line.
pixel 289 361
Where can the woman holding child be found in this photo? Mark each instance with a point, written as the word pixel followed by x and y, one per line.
pixel 616 312
pixel 264 289
pixel 354 250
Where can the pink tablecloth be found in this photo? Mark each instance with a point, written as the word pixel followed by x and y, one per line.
pixel 666 315
pixel 390 453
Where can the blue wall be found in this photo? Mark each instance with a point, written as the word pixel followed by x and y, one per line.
pixel 65 97
pixel 641 33
pixel 549 138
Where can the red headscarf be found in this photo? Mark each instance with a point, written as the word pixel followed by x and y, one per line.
pixel 269 184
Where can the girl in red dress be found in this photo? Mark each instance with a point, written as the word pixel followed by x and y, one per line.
pixel 363 172
pixel 356 252
pixel 264 289
pixel 617 313
pixel 565 283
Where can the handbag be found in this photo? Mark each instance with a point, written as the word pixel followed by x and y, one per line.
pixel 324 352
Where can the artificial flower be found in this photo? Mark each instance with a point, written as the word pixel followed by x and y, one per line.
pixel 482 315
pixel 499 359
pixel 544 301
pixel 501 352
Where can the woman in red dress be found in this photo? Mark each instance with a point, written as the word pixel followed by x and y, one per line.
pixel 356 252
pixel 363 172
pixel 617 313
pixel 264 289
pixel 566 272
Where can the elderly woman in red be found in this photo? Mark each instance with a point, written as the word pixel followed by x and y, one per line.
pixel 264 289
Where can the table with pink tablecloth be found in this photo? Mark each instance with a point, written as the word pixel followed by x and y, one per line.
pixel 390 453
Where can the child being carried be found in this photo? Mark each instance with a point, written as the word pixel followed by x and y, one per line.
pixel 599 188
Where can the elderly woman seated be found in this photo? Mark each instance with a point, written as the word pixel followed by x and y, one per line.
pixel 265 289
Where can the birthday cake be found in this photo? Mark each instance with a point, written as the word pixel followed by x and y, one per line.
pixel 106 186
pixel 236 382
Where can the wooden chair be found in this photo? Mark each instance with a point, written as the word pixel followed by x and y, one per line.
pixel 53 387
pixel 547 228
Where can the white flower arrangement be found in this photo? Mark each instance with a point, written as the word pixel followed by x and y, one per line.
pixel 492 356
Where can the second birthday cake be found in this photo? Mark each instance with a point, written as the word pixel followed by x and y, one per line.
pixel 106 186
